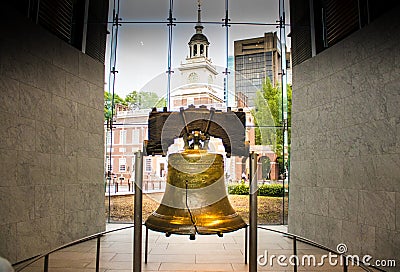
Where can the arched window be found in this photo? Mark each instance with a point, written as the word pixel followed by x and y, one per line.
pixel 195 50
pixel 201 49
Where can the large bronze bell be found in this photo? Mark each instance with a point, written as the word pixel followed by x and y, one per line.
pixel 195 199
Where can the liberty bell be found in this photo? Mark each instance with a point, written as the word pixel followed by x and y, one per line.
pixel 195 199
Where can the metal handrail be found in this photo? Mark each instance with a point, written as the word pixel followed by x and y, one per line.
pixel 296 238
pixel 45 255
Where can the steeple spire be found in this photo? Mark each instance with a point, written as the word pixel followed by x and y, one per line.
pixel 199 26
pixel 198 44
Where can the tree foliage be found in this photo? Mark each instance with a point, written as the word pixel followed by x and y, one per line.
pixel 144 100
pixel 108 103
pixel 134 100
pixel 268 115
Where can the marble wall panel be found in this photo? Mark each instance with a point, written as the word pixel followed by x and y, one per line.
pixel 352 141
pixel 328 231
pixel 89 119
pixel 297 199
pixel 63 169
pixel 34 103
pixel 357 172
pixel 78 89
pixel 95 145
pixel 387 173
pixel 343 204
pixel 309 225
pixel 73 197
pixel 306 75
pixel 377 208
pixel 342 84
pixel 90 170
pixel 391 93
pixel 8 232
pixel 316 200
pixel 49 138
pixel 96 96
pixel 295 222
pixel 51 78
pixel 8 167
pixel 17 133
pixel 64 112
pixel 34 236
pixel 43 82
pixel 9 95
pixel 17 64
pixel 360 239
pixel 77 143
pixel 66 58
pixel 387 246
pixel 91 70
pixel 33 168
pixel 397 212
pixel 49 200
pixel 13 209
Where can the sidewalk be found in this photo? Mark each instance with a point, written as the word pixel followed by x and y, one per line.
pixel 178 253
pixel 125 189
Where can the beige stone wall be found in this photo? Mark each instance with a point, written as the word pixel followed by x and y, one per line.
pixel 345 164
pixel 51 141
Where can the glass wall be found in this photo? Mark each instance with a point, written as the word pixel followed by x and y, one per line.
pixel 216 54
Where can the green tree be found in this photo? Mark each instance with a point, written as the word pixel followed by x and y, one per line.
pixel 108 103
pixel 268 115
pixel 144 100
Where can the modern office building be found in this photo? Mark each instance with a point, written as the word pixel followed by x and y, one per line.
pixel 345 125
pixel 255 60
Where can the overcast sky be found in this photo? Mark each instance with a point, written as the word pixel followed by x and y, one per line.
pixel 142 52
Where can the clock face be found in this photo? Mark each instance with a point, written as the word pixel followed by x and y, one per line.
pixel 193 78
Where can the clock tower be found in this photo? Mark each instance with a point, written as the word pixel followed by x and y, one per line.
pixel 198 67
pixel 199 77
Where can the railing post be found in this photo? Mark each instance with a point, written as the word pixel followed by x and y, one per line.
pixel 46 263
pixel 344 260
pixel 98 254
pixel 295 253
pixel 146 246
pixel 253 213
pixel 137 234
pixel 245 244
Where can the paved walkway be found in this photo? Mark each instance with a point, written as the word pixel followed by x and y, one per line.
pixel 178 253
pixel 127 190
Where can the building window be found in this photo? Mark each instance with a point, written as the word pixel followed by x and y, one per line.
pixel 122 137
pixel 122 164
pixel 108 165
pixel 136 136
pixel 180 102
pixel 108 137
pixel 148 165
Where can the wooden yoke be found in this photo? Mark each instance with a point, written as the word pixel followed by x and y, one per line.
pixel 229 126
